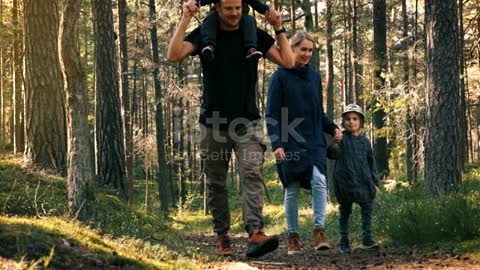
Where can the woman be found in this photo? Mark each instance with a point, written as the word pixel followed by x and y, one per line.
pixel 295 123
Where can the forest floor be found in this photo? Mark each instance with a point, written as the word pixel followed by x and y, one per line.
pixel 383 258
pixel 36 233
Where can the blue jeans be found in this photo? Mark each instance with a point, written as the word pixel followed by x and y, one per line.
pixel 319 201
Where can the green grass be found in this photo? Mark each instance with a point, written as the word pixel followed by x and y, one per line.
pixel 34 227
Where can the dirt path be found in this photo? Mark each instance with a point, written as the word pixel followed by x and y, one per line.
pixel 384 258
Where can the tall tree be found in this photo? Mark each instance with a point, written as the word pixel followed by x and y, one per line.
pixel 162 164
pixel 127 126
pixel 461 68
pixel 410 131
pixel 357 54
pixel 46 144
pixel 380 56
pixel 110 155
pixel 80 176
pixel 2 89
pixel 18 94
pixel 442 142
pixel 330 75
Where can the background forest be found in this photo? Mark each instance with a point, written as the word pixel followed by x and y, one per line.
pixel 99 132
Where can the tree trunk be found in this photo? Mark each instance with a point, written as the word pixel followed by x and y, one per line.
pixel 443 135
pixel 330 75
pixel 127 125
pixel 80 176
pixel 162 165
pixel 18 94
pixel 46 144
pixel 414 118
pixel 379 51
pixel 410 132
pixel 110 156
pixel 357 54
pixel 347 91
pixel 461 69
pixel 351 90
pixel 2 89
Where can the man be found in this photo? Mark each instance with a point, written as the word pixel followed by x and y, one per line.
pixel 230 119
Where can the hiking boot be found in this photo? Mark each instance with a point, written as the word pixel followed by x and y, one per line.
pixel 224 245
pixel 294 244
pixel 320 240
pixel 259 244
pixel 369 244
pixel 344 245
pixel 253 55
pixel 208 53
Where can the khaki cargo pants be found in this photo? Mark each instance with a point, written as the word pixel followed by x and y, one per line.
pixel 216 149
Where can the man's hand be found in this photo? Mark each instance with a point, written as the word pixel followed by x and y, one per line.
pixel 376 189
pixel 274 18
pixel 190 8
pixel 279 154
pixel 337 137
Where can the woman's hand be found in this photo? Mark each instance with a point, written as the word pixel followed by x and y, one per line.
pixel 279 154
pixel 376 189
pixel 338 136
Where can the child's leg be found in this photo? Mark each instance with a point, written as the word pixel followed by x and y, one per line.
pixel 345 211
pixel 209 29
pixel 319 197
pixel 291 207
pixel 366 221
pixel 249 28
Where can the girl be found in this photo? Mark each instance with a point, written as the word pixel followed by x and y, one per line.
pixel 355 176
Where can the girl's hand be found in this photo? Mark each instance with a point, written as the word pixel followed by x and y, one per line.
pixel 279 154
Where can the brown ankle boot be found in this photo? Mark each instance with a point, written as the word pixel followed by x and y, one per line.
pixel 294 244
pixel 320 240
pixel 224 245
pixel 259 244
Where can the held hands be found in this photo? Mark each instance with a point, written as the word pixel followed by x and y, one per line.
pixel 338 136
pixel 279 154
pixel 190 8
pixel 274 18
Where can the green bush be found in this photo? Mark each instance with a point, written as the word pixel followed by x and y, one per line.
pixel 410 217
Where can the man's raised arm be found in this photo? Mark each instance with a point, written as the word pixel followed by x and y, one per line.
pixel 281 55
pixel 178 49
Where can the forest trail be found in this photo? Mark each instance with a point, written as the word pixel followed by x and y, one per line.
pixel 384 258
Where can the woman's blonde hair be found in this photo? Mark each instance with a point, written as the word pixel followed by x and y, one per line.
pixel 299 37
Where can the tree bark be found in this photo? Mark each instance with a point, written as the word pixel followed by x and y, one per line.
pixel 127 125
pixel 443 135
pixel 110 156
pixel 46 144
pixel 162 165
pixel 18 93
pixel 410 132
pixel 357 54
pixel 461 68
pixel 2 89
pixel 380 56
pixel 80 176
pixel 330 75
